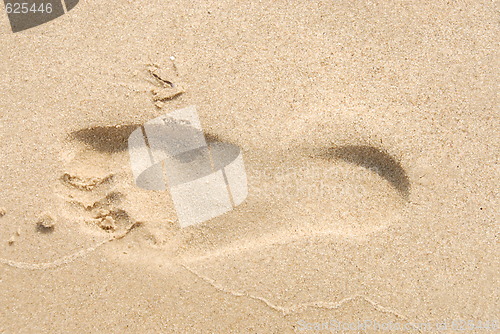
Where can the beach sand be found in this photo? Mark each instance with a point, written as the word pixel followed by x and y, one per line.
pixel 369 132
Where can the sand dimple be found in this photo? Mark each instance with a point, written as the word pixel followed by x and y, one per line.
pixel 45 223
pixel 110 220
pixel 85 183
pixel 11 240
pixel 168 88
pixel 112 198
pixel 97 213
pixel 165 94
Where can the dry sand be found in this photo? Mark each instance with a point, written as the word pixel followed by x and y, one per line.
pixel 371 143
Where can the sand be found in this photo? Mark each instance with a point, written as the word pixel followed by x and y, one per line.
pixel 369 132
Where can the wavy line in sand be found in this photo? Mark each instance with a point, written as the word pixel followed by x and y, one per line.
pixel 69 258
pixel 283 310
pixel 297 308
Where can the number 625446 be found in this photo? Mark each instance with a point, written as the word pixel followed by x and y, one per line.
pixel 25 8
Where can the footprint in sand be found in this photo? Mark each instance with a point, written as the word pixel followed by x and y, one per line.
pixel 98 187
pixel 94 202
pixel 92 186
pixel 348 191
pixel 294 198
pixel 358 189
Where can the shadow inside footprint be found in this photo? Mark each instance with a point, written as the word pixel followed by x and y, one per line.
pixel 376 160
pixel 110 139
pixel 113 139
